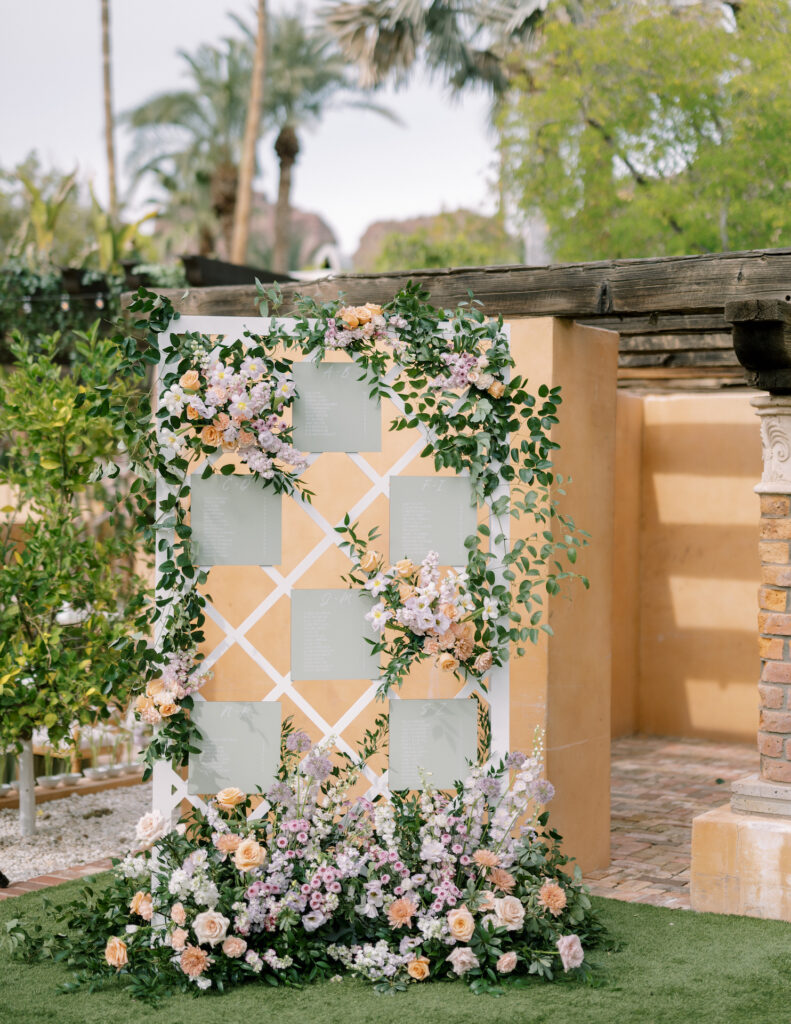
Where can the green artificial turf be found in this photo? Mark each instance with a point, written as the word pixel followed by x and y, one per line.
pixel 672 966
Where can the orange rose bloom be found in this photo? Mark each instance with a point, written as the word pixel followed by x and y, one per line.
pixel 401 911
pixel 363 314
pixel 349 316
pixel 115 952
pixel 190 380
pixel 229 798
pixel 168 708
pixel 210 435
pixel 142 905
pixel 192 414
pixel 375 310
pixel 418 968
pixel 194 961
pixel 496 389
pixel 249 855
pixel 371 560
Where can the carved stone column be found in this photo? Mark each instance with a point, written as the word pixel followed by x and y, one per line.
pixel 741 853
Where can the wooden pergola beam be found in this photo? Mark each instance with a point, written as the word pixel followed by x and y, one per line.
pixel 601 292
pixel 762 341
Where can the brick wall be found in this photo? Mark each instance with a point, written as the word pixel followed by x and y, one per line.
pixel 774 626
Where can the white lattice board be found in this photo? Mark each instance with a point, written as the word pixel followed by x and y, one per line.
pixel 169 788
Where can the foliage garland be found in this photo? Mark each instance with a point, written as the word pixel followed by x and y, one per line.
pixel 447 371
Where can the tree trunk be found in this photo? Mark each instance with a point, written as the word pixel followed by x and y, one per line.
pixel 108 110
pixel 287 149
pixel 244 195
pixel 27 790
pixel 224 190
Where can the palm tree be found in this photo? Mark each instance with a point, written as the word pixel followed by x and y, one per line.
pixel 252 129
pixel 108 108
pixel 192 139
pixel 306 74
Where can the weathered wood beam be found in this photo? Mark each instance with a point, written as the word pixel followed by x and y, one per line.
pixel 684 285
pixel 660 343
pixel 762 341
pixel 693 324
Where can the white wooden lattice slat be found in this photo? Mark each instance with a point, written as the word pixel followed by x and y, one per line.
pixel 169 788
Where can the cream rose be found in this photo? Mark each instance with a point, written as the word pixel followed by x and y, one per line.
pixel 233 946
pixel 156 691
pixel 462 959
pixel 484 380
pixel 418 968
pixel 152 826
pixel 461 924
pixel 509 913
pixel 570 949
pixel 190 380
pixel 210 927
pixel 405 568
pixel 249 855
pixel 210 436
pixel 483 662
pixel 506 963
pixel 447 662
pixel 115 953
pixel 229 798
pixel 168 708
pixel 371 560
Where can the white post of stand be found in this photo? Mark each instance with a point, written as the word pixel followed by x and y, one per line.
pixel 27 790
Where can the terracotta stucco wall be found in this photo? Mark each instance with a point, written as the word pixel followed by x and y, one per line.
pixel 686 601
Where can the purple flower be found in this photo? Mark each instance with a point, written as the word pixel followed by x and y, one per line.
pixel 515 759
pixel 299 741
pixel 317 765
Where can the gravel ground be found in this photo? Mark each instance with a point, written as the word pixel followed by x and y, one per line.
pixel 71 831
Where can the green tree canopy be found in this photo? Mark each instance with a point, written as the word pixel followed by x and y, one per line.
pixel 649 128
pixel 459 238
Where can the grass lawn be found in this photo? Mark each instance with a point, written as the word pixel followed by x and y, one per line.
pixel 673 966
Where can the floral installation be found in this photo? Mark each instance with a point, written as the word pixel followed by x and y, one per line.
pixel 421 613
pixel 423 887
pixel 449 372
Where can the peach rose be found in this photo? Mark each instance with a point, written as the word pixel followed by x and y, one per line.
pixel 552 897
pixel 363 314
pixel 405 591
pixel 349 316
pixel 374 309
pixel 462 959
pixel 178 915
pixel 233 946
pixel 401 911
pixel 430 645
pixel 227 842
pixel 487 900
pixel 178 939
pixel 143 704
pixel 210 927
pixel 142 905
pixel 115 953
pixel 249 855
pixel 371 560
pixel 194 961
pixel 463 649
pixel 192 414
pixel 210 436
pixel 418 968
pixel 450 611
pixel 447 662
pixel 483 662
pixel 229 798
pixel 447 640
pixel 168 708
pixel 156 690
pixel 509 913
pixel 463 630
pixel 496 389
pixel 461 924
pixel 222 421
pixel 506 963
pixel 246 439
pixel 405 568
pixel 190 380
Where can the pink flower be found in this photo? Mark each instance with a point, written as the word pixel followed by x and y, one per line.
pixel 178 914
pixel 178 939
pixel 506 963
pixel 570 949
pixel 462 959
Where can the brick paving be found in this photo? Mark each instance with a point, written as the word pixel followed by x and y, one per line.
pixel 658 786
pixel 54 878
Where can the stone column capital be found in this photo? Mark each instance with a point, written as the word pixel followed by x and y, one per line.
pixel 775 415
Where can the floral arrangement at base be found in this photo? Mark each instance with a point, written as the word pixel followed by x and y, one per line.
pixel 425 886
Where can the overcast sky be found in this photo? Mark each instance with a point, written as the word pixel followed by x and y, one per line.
pixel 355 168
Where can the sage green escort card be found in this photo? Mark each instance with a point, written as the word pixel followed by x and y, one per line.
pixel 328 635
pixel 333 412
pixel 439 736
pixel 235 521
pixel 431 514
pixel 240 745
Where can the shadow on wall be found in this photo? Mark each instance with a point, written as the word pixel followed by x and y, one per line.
pixel 687 664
